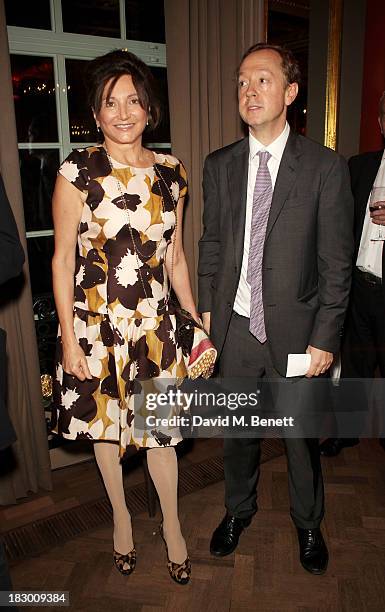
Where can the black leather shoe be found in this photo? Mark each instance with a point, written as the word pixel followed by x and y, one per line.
pixel 333 446
pixel 225 537
pixel 313 553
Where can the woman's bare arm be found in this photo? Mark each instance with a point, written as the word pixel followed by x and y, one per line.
pixel 67 208
pixel 180 275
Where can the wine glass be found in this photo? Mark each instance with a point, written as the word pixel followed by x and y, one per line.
pixel 377 202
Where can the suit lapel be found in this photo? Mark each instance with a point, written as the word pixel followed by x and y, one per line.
pixel 237 171
pixel 286 177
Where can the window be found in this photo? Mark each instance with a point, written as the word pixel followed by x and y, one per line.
pixel 28 14
pixel 90 17
pixel 34 97
pixel 50 44
pixel 145 20
pixel 81 122
pixel 38 169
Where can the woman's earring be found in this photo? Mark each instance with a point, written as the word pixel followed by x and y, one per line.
pixel 99 130
pixel 148 123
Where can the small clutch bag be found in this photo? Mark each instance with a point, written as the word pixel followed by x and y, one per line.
pixel 198 351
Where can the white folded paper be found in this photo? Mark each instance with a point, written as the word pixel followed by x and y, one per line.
pixel 297 364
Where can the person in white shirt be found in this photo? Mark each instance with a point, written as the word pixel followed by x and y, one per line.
pixel 363 349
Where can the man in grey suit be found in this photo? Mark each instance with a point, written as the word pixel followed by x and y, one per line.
pixel 274 278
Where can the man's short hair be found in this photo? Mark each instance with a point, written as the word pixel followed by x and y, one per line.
pixel 381 105
pixel 290 67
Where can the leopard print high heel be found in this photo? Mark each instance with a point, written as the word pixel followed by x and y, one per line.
pixel 179 572
pixel 121 560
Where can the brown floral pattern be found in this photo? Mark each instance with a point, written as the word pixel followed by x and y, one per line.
pixel 126 334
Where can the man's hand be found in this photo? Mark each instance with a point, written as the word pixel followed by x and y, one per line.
pixel 320 361
pixel 378 216
pixel 206 319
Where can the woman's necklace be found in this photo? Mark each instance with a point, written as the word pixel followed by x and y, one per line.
pixel 134 245
pixel 123 201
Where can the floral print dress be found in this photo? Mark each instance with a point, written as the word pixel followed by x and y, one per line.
pixel 121 319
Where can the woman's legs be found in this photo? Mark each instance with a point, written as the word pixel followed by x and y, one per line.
pixel 107 458
pixel 163 468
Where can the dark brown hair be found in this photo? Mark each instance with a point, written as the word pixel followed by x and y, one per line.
pixel 113 65
pixel 290 67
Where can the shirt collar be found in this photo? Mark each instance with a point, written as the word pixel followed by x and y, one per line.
pixel 275 148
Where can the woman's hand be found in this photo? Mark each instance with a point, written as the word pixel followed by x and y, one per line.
pixel 206 318
pixel 196 317
pixel 75 362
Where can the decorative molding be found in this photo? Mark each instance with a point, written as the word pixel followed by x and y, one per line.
pixel 333 72
pixel 28 41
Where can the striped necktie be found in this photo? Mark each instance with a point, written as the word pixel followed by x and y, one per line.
pixel 263 194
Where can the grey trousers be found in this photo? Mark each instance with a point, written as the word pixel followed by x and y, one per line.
pixel 243 356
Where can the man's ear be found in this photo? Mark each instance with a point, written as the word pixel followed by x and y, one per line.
pixel 291 93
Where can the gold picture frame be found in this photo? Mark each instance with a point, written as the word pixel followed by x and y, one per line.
pixel 333 72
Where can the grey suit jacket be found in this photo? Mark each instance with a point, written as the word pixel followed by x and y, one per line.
pixel 308 247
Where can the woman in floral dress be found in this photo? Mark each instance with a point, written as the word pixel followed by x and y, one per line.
pixel 121 205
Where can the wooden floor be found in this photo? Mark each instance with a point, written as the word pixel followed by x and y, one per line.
pixel 264 574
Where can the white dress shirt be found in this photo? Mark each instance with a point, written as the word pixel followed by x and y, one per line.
pixel 370 252
pixel 276 149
